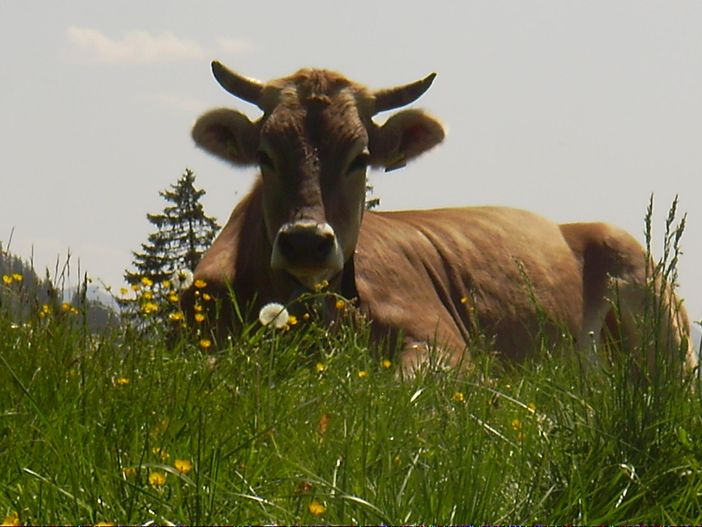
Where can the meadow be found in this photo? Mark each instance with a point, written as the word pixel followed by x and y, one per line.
pixel 310 424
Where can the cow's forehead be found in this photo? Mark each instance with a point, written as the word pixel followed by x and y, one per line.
pixel 316 105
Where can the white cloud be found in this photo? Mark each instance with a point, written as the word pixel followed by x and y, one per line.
pixel 89 45
pixel 134 47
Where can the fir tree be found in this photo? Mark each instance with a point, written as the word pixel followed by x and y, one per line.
pixel 183 233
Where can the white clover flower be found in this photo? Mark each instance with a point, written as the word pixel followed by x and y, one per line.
pixel 275 314
pixel 182 279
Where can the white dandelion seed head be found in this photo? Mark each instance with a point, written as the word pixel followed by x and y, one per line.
pixel 182 279
pixel 275 314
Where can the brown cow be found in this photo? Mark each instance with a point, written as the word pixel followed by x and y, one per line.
pixel 432 276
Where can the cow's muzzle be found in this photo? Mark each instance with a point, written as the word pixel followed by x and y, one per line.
pixel 307 250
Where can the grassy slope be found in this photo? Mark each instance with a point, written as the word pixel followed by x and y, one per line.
pixel 269 435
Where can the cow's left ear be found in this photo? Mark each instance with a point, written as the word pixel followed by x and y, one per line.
pixel 403 137
pixel 229 135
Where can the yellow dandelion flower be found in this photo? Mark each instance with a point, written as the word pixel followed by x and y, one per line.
pixel 160 452
pixel 166 284
pixel 104 524
pixel 135 287
pixel 17 277
pixel 123 291
pixel 206 297
pixel 531 407
pixel 129 472
pixel 362 374
pixel 516 424
pixel 200 283
pixel 176 317
pixel 173 298
pixel 320 367
pixel 45 310
pixel 12 519
pixel 147 295
pixel 183 465
pixel 157 479
pixel 386 363
pixel 205 343
pixel 149 308
pixel 66 307
pixel 122 381
pixel 7 279
pixel 198 308
pixel 199 317
pixel 340 304
pixel 316 508
pixel 458 397
pixel 292 320
pixel 146 281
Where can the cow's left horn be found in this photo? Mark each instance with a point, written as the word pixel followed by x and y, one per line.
pixel 391 98
pixel 245 88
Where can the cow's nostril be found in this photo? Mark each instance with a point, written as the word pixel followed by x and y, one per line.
pixel 306 245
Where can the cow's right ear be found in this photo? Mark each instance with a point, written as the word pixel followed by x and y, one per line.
pixel 229 135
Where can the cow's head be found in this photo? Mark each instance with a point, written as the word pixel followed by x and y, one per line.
pixel 313 145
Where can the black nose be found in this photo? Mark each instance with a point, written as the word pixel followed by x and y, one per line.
pixel 305 245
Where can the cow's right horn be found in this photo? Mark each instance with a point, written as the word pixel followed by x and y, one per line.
pixel 245 88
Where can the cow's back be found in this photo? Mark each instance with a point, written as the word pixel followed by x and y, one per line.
pixel 442 275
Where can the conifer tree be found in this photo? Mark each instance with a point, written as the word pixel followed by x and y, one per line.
pixel 183 233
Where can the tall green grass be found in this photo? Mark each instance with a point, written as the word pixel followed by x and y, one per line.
pixel 308 425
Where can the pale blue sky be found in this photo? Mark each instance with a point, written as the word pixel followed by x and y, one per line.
pixel 576 109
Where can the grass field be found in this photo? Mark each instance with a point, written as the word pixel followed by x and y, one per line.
pixel 311 425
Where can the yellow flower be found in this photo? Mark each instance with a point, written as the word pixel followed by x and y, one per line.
pixel 362 374
pixel 206 297
pixel 135 287
pixel 386 363
pixel 198 307
pixel 321 286
pixel 176 317
pixel 340 304
pixel 12 519
pixel 129 472
pixel 320 367
pixel 531 407
pixel 183 465
pixel 205 343
pixel 516 424
pixel 199 317
pixel 123 291
pixel 147 295
pixel 146 281
pixel 104 524
pixel 149 307
pixel 199 283
pixel 458 397
pixel 45 310
pixel 292 320
pixel 17 277
pixel 7 279
pixel 157 479
pixel 173 297
pixel 316 508
pixel 166 284
pixel 160 452
pixel 122 381
pixel 464 300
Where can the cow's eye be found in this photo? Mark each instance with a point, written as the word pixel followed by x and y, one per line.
pixel 264 160
pixel 360 162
